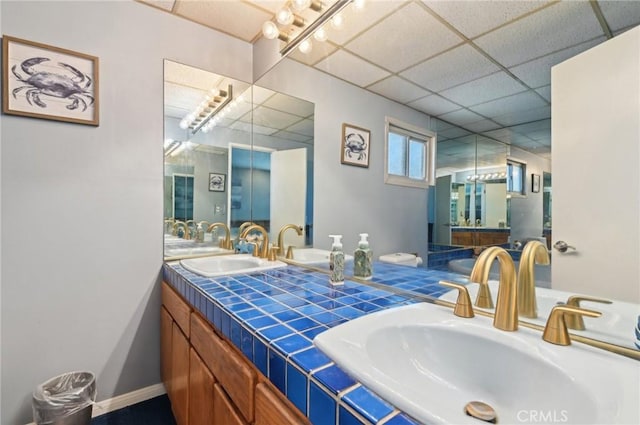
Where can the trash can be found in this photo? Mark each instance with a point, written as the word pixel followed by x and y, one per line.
pixel 66 399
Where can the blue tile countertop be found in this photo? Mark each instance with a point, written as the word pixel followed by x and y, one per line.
pixel 273 316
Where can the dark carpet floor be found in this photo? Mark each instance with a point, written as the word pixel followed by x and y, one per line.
pixel 156 411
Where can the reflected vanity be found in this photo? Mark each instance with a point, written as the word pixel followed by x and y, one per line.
pixel 471 200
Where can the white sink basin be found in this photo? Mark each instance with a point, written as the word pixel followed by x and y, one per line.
pixel 616 325
pixel 200 250
pixel 314 256
pixel 229 264
pixel 430 364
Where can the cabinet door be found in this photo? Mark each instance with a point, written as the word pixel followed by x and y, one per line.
pixel 201 383
pixel 166 331
pixel 271 409
pixel 224 410
pixel 180 376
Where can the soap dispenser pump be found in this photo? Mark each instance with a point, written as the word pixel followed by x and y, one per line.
pixel 336 261
pixel 362 259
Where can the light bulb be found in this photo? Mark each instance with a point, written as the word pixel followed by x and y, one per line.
pixel 358 4
pixel 305 46
pixel 320 35
pixel 205 129
pixel 337 21
pixel 284 16
pixel 215 92
pixel 184 124
pixel 300 5
pixel 270 30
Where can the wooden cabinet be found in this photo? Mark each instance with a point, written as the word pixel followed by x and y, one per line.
pixel 474 238
pixel 208 380
pixel 180 376
pixel 166 332
pixel 225 411
pixel 271 408
pixel 201 383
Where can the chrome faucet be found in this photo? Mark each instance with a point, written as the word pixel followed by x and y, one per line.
pixel 506 313
pixel 534 252
pixel 226 242
pixel 264 251
pixel 284 228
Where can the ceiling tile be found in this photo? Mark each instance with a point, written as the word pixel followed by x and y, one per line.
pixel 290 104
pixel 537 73
pixel 453 133
pixel 304 127
pixel 451 68
pixel 398 89
pixel 545 92
pixel 351 68
pixel 520 117
pixel 473 18
pixel 556 27
pixel 359 20
pixel 268 117
pixel 225 16
pixel 461 117
pixel 484 89
pixel 532 126
pixel 434 105
pixel 517 102
pixel 620 14
pixel 480 126
pixel 419 34
pixel 318 52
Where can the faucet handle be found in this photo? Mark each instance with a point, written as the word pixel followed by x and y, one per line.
pixel 483 299
pixel 555 331
pixel 289 255
pixel 463 306
pixel 273 252
pixel 575 321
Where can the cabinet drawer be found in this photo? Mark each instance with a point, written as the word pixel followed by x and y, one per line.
pixel 201 383
pixel 177 307
pixel 232 372
pixel 271 409
pixel 224 411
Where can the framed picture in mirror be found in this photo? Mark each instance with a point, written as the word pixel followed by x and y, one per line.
pixel 217 182
pixel 355 145
pixel 43 81
pixel 535 183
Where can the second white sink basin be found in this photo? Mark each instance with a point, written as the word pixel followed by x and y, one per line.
pixel 430 364
pixel 314 256
pixel 229 264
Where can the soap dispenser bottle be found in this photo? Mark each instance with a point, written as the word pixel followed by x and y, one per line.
pixel 336 261
pixel 362 267
pixel 199 233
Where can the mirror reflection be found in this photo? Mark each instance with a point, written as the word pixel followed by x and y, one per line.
pixel 249 162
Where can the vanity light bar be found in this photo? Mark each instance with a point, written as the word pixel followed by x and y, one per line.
pixel 308 31
pixel 208 116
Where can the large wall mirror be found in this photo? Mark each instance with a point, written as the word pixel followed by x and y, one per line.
pixel 234 153
pixel 471 198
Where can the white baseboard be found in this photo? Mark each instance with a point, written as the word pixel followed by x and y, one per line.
pixel 105 406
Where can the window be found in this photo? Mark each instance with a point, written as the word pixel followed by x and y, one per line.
pixel 515 177
pixel 410 155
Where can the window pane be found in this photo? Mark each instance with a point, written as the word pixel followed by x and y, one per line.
pixel 397 154
pixel 416 159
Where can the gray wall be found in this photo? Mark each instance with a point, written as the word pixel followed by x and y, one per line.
pixel 351 200
pixel 81 248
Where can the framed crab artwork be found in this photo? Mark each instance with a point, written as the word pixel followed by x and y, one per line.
pixel 48 82
pixel 355 145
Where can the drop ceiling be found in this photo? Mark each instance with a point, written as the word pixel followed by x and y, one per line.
pixel 484 66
